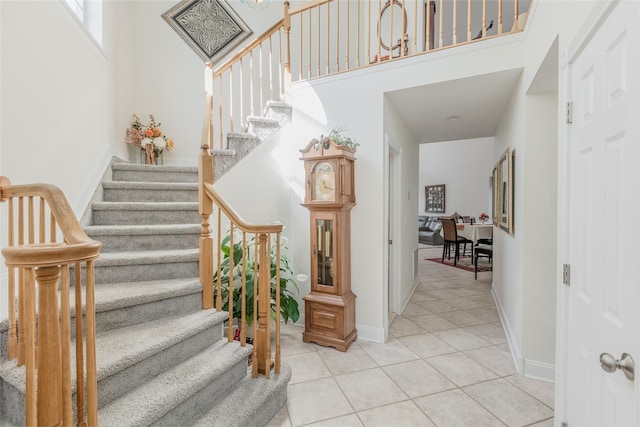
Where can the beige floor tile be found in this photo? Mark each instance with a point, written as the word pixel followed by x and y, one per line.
pixel 418 378
pixel 489 314
pixel 317 400
pixel 393 351
pixel 437 306
pixel 402 327
pixel 545 423
pixel 542 390
pixel 412 310
pixel 280 419
pixel 306 366
pixel 434 322
pixel 442 294
pixel 455 409
pixel 291 341
pixel 507 402
pixel 401 414
pixel 494 358
pixel 488 332
pixel 462 318
pixel 461 369
pixel 467 291
pixel 344 362
pixel 369 389
pixel 351 420
pixel 426 345
pixel 421 296
pixel 461 339
pixel 464 302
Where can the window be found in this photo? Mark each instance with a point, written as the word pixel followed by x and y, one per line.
pixel 89 12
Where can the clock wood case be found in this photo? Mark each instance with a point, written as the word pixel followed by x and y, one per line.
pixel 330 315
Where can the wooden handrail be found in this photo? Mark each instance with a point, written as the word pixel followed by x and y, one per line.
pixel 236 218
pixel 48 394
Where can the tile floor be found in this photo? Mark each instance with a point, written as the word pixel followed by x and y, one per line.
pixel 446 363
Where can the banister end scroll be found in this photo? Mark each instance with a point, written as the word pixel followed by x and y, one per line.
pixel 4 182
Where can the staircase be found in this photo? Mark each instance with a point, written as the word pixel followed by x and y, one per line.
pixel 162 360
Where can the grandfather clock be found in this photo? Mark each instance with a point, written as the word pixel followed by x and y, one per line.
pixel 330 309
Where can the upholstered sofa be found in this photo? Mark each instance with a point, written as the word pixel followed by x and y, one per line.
pixel 429 230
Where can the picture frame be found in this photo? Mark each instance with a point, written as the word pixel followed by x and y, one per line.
pixel 494 195
pixel 505 189
pixel 434 198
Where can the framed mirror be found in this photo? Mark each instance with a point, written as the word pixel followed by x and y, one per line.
pixel 392 26
pixel 506 191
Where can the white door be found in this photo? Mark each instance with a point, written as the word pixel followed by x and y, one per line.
pixel 605 222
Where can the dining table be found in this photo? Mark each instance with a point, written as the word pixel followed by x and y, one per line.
pixel 475 232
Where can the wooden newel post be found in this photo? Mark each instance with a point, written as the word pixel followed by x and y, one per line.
pixel 262 339
pixel 205 208
pixel 49 360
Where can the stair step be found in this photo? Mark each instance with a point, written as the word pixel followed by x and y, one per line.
pixel 121 191
pixel 145 237
pixel 253 402
pixel 262 127
pixel 124 304
pixel 138 213
pixel 129 357
pixel 136 266
pixel 174 396
pixel 153 173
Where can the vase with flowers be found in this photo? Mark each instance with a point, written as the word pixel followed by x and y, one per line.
pixel 483 217
pixel 149 138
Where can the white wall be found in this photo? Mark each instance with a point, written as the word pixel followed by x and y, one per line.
pixel 465 168
pixel 402 188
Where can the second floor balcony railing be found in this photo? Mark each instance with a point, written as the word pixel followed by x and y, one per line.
pixel 334 36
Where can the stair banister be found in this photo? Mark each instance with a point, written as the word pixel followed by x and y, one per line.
pixel 46 262
pixel 208 198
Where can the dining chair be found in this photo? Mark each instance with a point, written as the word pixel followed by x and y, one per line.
pixel 485 251
pixel 451 238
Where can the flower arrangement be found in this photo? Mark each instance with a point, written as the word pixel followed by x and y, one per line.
pixel 337 137
pixel 483 217
pixel 148 138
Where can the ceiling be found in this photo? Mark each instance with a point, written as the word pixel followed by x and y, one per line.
pixel 479 103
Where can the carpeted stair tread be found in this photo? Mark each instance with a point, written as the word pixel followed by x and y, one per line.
pixel 263 120
pixel 253 402
pixel 146 257
pixel 141 230
pixel 153 168
pixel 144 206
pixel 148 403
pixel 127 185
pixel 111 296
pixel 120 348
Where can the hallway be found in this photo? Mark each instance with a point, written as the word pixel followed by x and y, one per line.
pixel 446 363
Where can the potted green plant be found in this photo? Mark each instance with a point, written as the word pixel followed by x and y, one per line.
pixel 288 304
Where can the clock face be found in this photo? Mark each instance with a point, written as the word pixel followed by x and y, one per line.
pixel 323 182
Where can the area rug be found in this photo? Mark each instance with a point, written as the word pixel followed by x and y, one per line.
pixel 464 263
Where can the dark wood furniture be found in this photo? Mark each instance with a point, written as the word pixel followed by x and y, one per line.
pixel 451 238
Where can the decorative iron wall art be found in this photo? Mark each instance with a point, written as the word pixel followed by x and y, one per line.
pixel 434 197
pixel 211 27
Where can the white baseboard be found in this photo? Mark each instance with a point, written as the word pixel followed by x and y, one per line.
pixel 526 367
pixel 516 353
pixel 539 370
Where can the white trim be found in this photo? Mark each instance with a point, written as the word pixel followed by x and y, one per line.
pixel 539 370
pixel 516 354
pixel 367 333
pixel 590 26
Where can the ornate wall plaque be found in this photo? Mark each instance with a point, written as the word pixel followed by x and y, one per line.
pixel 211 27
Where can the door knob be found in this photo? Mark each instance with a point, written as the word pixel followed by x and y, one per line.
pixel 625 364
